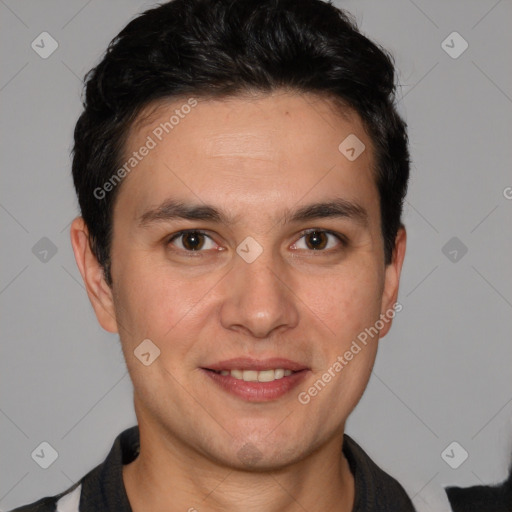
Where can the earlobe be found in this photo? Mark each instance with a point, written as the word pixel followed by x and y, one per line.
pixel 392 280
pixel 98 291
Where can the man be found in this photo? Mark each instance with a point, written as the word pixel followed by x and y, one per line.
pixel 241 168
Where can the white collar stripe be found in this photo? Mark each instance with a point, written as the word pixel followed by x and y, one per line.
pixel 70 502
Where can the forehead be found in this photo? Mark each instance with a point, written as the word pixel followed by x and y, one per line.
pixel 259 151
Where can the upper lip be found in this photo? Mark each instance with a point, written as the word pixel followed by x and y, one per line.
pixel 247 363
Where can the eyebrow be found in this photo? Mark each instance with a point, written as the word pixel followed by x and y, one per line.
pixel 172 209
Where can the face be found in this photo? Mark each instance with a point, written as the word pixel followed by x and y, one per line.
pixel 220 251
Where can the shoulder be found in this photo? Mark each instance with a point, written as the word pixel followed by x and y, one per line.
pixel 374 488
pixel 66 501
pixel 42 505
pixel 101 487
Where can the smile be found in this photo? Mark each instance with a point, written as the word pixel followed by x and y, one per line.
pixel 256 385
pixel 257 376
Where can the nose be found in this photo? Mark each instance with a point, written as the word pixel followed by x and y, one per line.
pixel 259 298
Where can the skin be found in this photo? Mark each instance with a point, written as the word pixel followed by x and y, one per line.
pixel 253 157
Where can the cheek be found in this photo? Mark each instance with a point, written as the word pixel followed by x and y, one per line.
pixel 349 301
pixel 152 302
pixel 349 307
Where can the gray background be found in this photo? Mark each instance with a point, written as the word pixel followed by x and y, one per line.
pixel 444 371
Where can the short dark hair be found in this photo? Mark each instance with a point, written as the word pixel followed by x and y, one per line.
pixel 221 48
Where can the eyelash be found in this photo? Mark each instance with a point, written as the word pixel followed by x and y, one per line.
pixel 341 238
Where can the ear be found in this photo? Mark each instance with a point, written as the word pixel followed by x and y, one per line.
pixel 99 292
pixel 392 279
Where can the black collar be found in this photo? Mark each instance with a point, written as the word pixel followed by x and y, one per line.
pixel 103 487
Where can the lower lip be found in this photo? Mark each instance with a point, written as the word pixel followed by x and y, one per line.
pixel 257 391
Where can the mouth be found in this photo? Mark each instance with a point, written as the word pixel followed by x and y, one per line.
pixel 269 375
pixel 257 381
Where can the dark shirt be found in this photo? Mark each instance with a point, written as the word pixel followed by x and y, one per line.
pixel 102 489
pixel 478 498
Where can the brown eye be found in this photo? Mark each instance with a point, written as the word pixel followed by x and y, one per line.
pixel 320 240
pixel 192 241
pixel 316 240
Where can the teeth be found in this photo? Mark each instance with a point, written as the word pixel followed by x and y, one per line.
pixel 255 376
pixel 266 376
pixel 250 375
pixel 279 373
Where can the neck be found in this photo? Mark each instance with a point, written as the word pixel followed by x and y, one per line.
pixel 167 474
